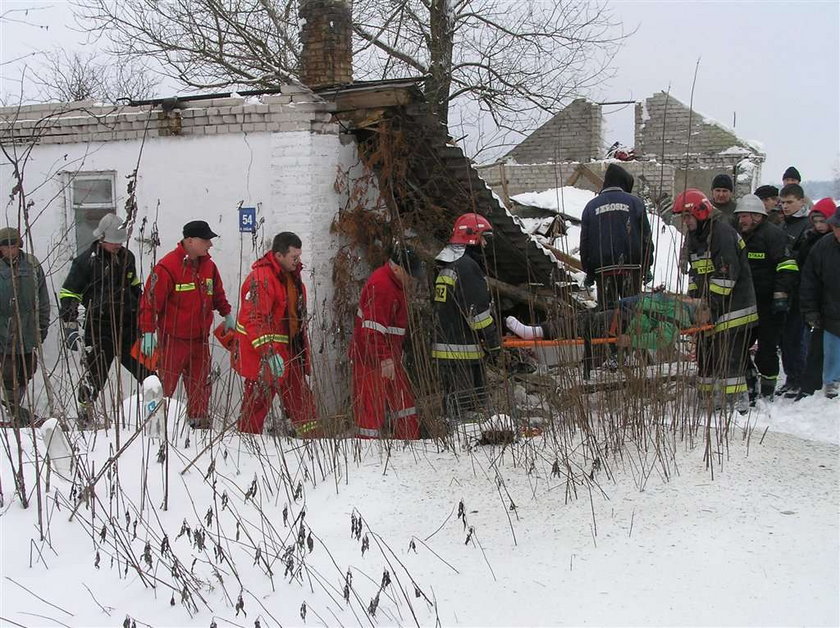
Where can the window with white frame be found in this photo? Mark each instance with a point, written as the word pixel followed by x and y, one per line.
pixel 91 196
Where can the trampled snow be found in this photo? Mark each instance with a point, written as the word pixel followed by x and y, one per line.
pixel 479 536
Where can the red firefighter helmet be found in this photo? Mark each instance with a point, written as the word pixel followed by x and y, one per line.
pixel 469 228
pixel 693 202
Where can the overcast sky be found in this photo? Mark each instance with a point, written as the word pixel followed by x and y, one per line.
pixel 775 65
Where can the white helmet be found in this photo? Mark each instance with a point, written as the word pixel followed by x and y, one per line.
pixel 750 204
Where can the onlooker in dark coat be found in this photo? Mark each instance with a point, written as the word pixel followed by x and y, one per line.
pixel 820 291
pixel 24 320
pixel 794 339
pixel 722 190
pixel 769 195
pixel 616 245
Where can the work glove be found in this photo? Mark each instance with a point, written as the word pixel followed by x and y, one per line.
pixel 781 303
pixel 148 343
pixel 276 365
pixel 648 277
pixel 230 322
pixel 387 369
pixel 72 340
pixel 589 281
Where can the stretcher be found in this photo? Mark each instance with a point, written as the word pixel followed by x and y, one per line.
pixel 587 343
pixel 512 342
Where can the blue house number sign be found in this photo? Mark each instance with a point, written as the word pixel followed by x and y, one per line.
pixel 247 219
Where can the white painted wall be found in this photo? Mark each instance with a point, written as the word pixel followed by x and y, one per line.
pixel 288 176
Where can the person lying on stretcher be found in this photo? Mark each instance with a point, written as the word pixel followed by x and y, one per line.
pixel 649 321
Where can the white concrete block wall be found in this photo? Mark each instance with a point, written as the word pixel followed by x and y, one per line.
pixel 288 176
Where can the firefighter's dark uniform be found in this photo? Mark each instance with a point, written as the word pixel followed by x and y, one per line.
pixel 464 331
pixel 720 273
pixel 108 287
pixel 775 275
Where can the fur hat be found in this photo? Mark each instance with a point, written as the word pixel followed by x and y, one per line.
pixel 766 191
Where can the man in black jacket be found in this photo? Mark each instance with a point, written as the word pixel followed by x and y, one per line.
pixel 794 337
pixel 465 331
pixel 104 280
pixel 820 298
pixel 616 246
pixel 774 274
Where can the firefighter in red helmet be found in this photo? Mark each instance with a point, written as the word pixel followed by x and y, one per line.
pixel 719 273
pixel 383 403
pixel 465 332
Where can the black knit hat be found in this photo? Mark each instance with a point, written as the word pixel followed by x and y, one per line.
pixel 792 173
pixel 766 191
pixel 618 177
pixel 723 181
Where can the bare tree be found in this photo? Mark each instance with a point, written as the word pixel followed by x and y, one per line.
pixel 512 58
pixel 75 76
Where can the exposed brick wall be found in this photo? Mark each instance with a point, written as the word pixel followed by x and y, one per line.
pixel 574 134
pixel 668 131
pixel 327 38
pixel 296 108
pixel 522 178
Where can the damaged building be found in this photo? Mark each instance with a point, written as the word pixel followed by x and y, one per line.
pixel 675 148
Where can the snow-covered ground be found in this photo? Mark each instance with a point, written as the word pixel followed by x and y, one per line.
pixel 305 533
pixel 571 201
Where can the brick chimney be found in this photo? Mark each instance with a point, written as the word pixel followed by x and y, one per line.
pixel 327 38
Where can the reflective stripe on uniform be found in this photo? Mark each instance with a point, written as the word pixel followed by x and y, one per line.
pixel 721 286
pixel 303 428
pixel 363 431
pixel 705 384
pixel 405 413
pixel 443 351
pixel 447 276
pixel 480 321
pixel 703 266
pixel 184 287
pixel 67 294
pixel 737 318
pixel 788 264
pixel 382 329
pixel 733 385
pixel 261 340
pixel 136 281
pixel 755 255
pixel 692 286
pixel 240 328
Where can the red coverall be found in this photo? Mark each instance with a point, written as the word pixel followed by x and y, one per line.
pixel 378 335
pixel 270 322
pixel 178 303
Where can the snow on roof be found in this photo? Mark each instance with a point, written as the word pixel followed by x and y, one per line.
pixel 735 150
pixel 568 200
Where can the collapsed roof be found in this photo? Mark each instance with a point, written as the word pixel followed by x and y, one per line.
pixel 429 180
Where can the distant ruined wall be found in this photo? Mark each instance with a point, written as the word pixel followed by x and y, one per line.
pixel 574 134
pixel 668 131
pixel 520 178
